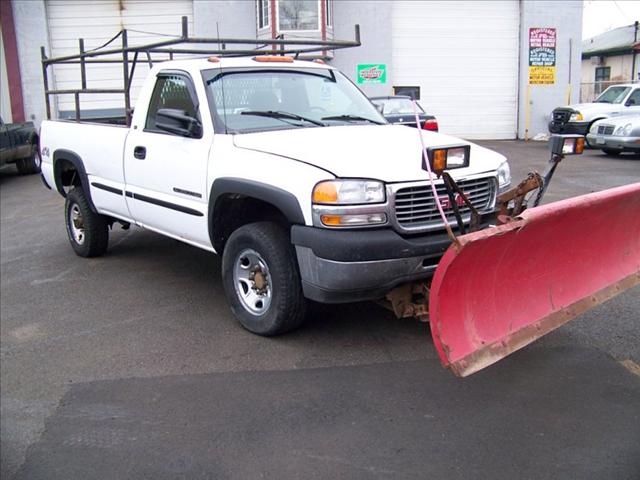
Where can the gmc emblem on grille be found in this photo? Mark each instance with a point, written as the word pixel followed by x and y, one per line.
pixel 446 203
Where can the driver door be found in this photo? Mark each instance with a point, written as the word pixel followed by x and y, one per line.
pixel 166 173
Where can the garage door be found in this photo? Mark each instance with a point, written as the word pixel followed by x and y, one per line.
pixel 464 58
pixel 98 21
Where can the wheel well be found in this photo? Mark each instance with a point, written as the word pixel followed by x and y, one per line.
pixel 232 211
pixel 67 173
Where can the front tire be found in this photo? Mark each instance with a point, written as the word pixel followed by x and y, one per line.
pixel 31 164
pixel 261 279
pixel 612 153
pixel 88 231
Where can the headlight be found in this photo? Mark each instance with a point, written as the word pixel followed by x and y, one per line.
pixel 624 131
pixel 576 117
pixel 594 128
pixel 504 174
pixel 348 192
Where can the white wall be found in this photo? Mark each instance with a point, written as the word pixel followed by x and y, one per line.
pixel 374 19
pixel 566 17
pixel 30 23
pixel 235 18
pixel 621 68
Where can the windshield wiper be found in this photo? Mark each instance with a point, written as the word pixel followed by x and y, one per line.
pixel 351 118
pixel 281 115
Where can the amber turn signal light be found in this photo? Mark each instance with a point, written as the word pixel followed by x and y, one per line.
pixel 439 161
pixel 325 192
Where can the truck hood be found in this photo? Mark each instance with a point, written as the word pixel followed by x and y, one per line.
pixel 390 153
pixel 588 109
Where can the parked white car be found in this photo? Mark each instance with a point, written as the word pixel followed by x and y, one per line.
pixel 578 119
pixel 616 135
pixel 282 167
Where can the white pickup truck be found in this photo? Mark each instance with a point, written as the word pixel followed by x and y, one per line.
pixel 282 167
pixel 577 119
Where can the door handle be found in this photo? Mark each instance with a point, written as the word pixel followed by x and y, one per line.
pixel 140 153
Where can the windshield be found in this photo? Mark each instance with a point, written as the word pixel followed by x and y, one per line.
pixel 250 100
pixel 613 95
pixel 396 106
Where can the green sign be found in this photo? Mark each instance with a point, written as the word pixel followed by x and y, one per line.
pixel 372 73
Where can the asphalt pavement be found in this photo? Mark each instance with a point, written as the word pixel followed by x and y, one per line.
pixel 132 366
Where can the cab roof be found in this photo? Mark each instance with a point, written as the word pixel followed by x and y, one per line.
pixel 207 63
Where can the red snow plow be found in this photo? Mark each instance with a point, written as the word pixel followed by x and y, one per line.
pixel 500 288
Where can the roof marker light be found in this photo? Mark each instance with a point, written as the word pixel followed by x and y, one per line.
pixel 273 58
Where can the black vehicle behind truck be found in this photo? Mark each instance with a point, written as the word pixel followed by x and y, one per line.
pixel 398 109
pixel 19 145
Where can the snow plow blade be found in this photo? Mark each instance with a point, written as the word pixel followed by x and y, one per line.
pixel 503 287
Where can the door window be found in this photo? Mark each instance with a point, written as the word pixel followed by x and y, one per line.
pixel 171 91
pixel 634 98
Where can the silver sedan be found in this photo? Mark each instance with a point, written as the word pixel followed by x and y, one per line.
pixel 616 135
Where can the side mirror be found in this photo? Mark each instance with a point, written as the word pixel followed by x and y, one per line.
pixel 630 102
pixel 562 145
pixel 380 108
pixel 178 122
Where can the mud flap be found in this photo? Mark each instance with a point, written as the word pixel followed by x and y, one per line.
pixel 506 286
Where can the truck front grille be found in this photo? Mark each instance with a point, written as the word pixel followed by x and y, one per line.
pixel 605 129
pixel 416 210
pixel 561 116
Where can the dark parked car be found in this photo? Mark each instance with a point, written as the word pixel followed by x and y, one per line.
pixel 19 145
pixel 398 109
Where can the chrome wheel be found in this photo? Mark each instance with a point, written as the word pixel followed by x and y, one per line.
pixel 76 224
pixel 252 282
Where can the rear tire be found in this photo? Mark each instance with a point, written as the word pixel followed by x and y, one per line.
pixel 88 231
pixel 261 279
pixel 30 165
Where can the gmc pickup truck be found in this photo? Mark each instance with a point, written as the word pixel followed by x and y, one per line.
pixel 281 166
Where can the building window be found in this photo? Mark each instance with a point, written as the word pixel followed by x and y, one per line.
pixel 413 92
pixel 298 15
pixel 263 13
pixel 328 11
pixel 603 74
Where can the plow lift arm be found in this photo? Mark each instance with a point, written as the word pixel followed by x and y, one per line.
pixel 498 289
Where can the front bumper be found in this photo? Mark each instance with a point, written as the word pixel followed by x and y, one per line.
pixel 569 128
pixel 617 143
pixel 355 265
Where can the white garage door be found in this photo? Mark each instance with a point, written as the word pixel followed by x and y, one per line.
pixel 464 57
pixel 98 21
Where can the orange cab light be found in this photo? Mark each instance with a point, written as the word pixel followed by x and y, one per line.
pixel 439 160
pixel 579 145
pixel 213 59
pixel 325 192
pixel 273 58
pixel 331 219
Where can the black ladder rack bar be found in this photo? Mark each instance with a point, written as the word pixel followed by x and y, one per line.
pixel 278 46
